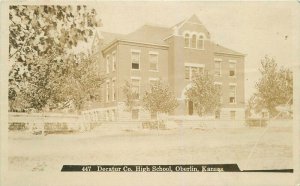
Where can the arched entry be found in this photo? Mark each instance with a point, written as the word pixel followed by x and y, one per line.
pixel 189 105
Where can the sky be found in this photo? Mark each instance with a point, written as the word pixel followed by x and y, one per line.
pixel 253 28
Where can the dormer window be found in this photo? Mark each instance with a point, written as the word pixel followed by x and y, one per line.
pixel 187 40
pixel 194 40
pixel 200 43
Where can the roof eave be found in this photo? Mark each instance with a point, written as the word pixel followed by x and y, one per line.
pixel 130 41
pixel 233 54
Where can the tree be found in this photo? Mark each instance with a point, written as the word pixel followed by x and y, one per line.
pixel 159 99
pixel 130 95
pixel 275 87
pixel 39 30
pixel 204 94
pixel 56 87
pixel 41 40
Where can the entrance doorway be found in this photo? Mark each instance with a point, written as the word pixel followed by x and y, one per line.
pixel 190 107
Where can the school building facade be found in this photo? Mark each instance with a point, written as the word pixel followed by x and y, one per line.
pixel 172 55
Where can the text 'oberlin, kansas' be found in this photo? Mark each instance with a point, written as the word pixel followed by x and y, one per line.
pixel 150 168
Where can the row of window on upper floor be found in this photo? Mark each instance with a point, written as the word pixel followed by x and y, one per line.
pixel 153 64
pixel 218 68
pixel 191 71
pixel 232 92
pixel 135 87
pixel 111 63
pixel 193 40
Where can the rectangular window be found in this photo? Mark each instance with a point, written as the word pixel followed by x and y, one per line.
pixel 135 114
pixel 232 94
pixel 194 41
pixel 135 60
pixel 107 91
pixel 187 73
pixel 107 64
pixel 195 71
pixel 113 92
pixel 219 86
pixel 153 59
pixel 114 63
pixel 135 88
pixel 187 40
pixel 232 115
pixel 232 69
pixel 153 81
pixel 200 42
pixel 192 71
pixel 218 68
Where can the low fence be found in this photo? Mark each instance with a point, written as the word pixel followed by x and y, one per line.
pixel 40 123
pixel 46 122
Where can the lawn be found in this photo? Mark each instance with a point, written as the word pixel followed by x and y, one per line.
pixel 185 146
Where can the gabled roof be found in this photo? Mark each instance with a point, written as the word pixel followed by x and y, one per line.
pixel 194 19
pixel 152 34
pixel 149 34
pixel 223 50
pixel 109 37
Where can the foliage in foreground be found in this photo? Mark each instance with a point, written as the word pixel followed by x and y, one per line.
pixel 274 88
pixel 204 94
pixel 45 73
pixel 159 99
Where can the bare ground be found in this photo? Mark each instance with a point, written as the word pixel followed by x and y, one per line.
pixel 185 146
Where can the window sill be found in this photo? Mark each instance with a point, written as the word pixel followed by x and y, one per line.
pixel 136 69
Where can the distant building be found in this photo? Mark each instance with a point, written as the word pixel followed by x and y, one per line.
pixel 173 55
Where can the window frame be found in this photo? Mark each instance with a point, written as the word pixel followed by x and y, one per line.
pixel 194 36
pixel 107 96
pixel 139 86
pixel 218 60
pixel 235 96
pixel 191 66
pixel 157 59
pixel 187 38
pixel 107 64
pixel 113 89
pixel 153 79
pixel 114 61
pixel 232 62
pixel 139 59
pixel 202 40
pixel 221 85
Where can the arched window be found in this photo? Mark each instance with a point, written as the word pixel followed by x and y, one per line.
pixel 193 44
pixel 187 40
pixel 200 43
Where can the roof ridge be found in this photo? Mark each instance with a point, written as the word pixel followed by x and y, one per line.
pixel 233 51
pixel 156 25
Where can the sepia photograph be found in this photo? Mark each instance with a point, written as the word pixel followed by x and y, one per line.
pixel 154 87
